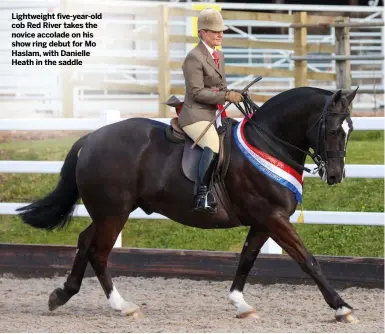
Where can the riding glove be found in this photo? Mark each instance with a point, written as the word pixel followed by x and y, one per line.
pixel 233 97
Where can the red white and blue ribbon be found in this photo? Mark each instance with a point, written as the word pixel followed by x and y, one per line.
pixel 268 165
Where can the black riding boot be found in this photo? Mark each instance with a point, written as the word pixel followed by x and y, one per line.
pixel 204 200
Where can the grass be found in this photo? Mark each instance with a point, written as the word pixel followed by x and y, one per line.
pixel 365 147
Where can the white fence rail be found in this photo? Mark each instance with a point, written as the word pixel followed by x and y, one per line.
pixel 111 116
pixel 53 167
pixel 74 124
pixel 311 217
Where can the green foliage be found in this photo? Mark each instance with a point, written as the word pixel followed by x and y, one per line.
pixel 351 195
pixel 12 230
pixel 367 135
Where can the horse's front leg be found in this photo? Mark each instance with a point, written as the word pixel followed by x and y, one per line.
pixel 254 241
pixel 282 232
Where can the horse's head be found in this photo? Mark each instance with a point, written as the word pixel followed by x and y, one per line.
pixel 329 136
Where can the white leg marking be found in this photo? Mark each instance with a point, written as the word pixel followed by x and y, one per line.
pixel 117 302
pixel 345 314
pixel 236 298
pixel 343 311
pixel 115 299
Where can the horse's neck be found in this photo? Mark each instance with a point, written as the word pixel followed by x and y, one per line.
pixel 290 127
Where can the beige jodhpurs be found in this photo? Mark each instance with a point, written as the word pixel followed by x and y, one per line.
pixel 210 139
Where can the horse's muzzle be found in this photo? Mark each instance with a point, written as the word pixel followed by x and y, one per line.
pixel 334 176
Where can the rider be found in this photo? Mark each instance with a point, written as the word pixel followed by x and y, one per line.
pixel 206 88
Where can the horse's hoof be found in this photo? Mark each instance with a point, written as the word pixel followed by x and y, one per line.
pixel 56 298
pixel 249 314
pixel 345 314
pixel 131 309
pixel 138 315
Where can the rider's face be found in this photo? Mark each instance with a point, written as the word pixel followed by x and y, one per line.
pixel 212 38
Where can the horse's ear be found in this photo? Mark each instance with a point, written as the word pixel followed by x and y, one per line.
pixel 336 97
pixel 352 95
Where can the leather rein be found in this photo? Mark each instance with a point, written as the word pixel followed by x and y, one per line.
pixel 320 153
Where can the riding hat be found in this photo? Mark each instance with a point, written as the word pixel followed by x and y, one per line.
pixel 211 19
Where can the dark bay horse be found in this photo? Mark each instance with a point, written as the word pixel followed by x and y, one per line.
pixel 131 164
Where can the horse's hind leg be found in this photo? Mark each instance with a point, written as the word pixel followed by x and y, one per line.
pixel 72 286
pixel 253 244
pixel 281 230
pixel 105 236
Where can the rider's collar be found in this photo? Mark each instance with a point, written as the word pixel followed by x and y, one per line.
pixel 210 50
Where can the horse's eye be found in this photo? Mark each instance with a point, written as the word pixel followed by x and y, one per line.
pixel 333 132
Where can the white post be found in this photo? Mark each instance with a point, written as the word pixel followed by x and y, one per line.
pixel 108 117
pixel 271 247
pixel 118 242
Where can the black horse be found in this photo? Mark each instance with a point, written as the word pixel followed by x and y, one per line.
pixel 131 164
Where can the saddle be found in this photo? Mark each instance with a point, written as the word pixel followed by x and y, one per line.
pixel 191 157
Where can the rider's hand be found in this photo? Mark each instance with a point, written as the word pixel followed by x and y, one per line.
pixel 234 97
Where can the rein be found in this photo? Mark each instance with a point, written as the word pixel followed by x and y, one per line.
pixel 251 108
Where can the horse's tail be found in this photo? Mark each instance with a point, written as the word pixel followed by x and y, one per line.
pixel 55 210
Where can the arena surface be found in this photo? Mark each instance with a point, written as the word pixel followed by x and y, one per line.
pixel 173 305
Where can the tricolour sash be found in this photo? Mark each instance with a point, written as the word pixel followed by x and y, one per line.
pixel 268 165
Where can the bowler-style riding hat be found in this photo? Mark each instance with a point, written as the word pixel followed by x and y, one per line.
pixel 211 19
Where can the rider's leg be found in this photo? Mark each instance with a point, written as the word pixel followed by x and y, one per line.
pixel 210 144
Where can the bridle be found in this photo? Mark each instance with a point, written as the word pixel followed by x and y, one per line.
pixel 321 150
pixel 320 154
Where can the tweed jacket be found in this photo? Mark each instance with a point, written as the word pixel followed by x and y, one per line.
pixel 205 86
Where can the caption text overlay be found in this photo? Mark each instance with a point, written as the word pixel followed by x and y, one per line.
pixel 51 39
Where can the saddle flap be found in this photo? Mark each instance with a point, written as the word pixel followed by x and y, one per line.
pixel 190 160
